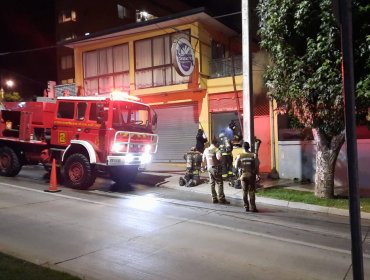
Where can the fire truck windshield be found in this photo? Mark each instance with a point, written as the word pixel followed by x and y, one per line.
pixel 127 114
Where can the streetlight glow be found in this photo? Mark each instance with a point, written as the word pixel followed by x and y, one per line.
pixel 9 83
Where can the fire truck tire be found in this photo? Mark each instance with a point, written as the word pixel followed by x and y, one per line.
pixel 78 172
pixel 9 162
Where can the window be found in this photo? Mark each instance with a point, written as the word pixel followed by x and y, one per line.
pixel 143 16
pixel 68 36
pixel 66 62
pixel 81 109
pixel 66 110
pixel 66 16
pixel 130 115
pixel 93 112
pixel 122 11
pixel 106 69
pixel 67 81
pixel 153 62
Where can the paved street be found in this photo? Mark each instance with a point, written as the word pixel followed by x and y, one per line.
pixel 155 232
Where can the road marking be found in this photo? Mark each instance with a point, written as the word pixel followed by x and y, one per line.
pixel 257 234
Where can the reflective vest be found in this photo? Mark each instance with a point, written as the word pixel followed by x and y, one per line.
pixel 193 160
pixel 210 154
pixel 226 147
pixel 247 162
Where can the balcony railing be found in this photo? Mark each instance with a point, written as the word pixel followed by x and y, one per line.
pixel 223 67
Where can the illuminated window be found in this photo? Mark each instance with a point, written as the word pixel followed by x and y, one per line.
pixel 143 16
pixel 153 62
pixel 122 12
pixel 68 81
pixel 66 62
pixel 106 69
pixel 68 36
pixel 66 16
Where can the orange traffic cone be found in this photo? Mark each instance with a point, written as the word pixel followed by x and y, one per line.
pixel 53 179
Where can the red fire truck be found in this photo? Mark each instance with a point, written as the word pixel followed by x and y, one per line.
pixel 86 135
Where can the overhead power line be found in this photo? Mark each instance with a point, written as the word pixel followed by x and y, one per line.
pixel 28 50
pixel 55 46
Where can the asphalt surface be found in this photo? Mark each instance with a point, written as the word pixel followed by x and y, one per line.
pixel 159 230
pixel 168 174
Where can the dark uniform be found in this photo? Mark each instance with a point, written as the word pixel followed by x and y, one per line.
pixel 193 165
pixel 212 156
pixel 201 140
pixel 246 164
pixel 227 157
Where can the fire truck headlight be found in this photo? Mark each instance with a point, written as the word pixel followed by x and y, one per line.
pixel 148 148
pixel 146 158
pixel 129 158
pixel 116 147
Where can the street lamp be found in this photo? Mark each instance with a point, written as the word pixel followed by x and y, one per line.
pixel 9 83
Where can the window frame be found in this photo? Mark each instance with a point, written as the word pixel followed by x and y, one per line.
pixel 63 108
pixel 98 77
pixel 163 66
pixel 67 16
pixel 66 62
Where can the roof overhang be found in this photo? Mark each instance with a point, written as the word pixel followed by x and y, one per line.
pixel 188 17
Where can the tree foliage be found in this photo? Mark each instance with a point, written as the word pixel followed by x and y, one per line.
pixel 303 39
pixel 12 96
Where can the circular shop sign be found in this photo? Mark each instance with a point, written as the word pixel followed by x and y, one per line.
pixel 183 56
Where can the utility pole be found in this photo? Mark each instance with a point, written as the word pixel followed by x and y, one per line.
pixel 248 120
pixel 345 19
pixel 1 86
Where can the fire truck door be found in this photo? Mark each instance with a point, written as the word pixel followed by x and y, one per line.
pixel 63 129
pixel 87 118
pixel 82 129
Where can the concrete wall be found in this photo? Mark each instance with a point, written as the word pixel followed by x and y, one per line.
pixel 297 160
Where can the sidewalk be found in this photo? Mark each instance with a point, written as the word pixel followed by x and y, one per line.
pixel 168 174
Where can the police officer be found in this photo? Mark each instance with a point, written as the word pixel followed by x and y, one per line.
pixel 246 163
pixel 193 165
pixel 211 158
pixel 227 156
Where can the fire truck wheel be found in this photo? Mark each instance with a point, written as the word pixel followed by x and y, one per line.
pixel 78 173
pixel 9 162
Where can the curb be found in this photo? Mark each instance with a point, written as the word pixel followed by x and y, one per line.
pixel 308 207
pixel 263 200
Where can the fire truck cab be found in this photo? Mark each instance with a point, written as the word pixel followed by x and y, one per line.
pixel 86 135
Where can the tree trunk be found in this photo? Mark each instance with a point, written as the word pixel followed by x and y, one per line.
pixel 327 151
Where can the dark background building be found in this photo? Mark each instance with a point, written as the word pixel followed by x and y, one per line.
pixel 27 52
pixel 31 30
pixel 76 19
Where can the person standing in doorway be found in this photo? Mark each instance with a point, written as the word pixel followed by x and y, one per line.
pixel 211 159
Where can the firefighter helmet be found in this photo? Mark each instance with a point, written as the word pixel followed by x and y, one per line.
pixel 182 182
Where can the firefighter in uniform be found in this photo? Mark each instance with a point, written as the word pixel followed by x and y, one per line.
pixel 193 165
pixel 211 159
pixel 246 164
pixel 227 156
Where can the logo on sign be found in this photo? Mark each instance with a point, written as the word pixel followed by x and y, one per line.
pixel 183 56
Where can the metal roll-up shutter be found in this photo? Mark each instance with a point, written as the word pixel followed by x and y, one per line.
pixel 177 127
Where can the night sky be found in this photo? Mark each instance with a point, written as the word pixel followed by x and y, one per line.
pixel 30 24
pixel 27 25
